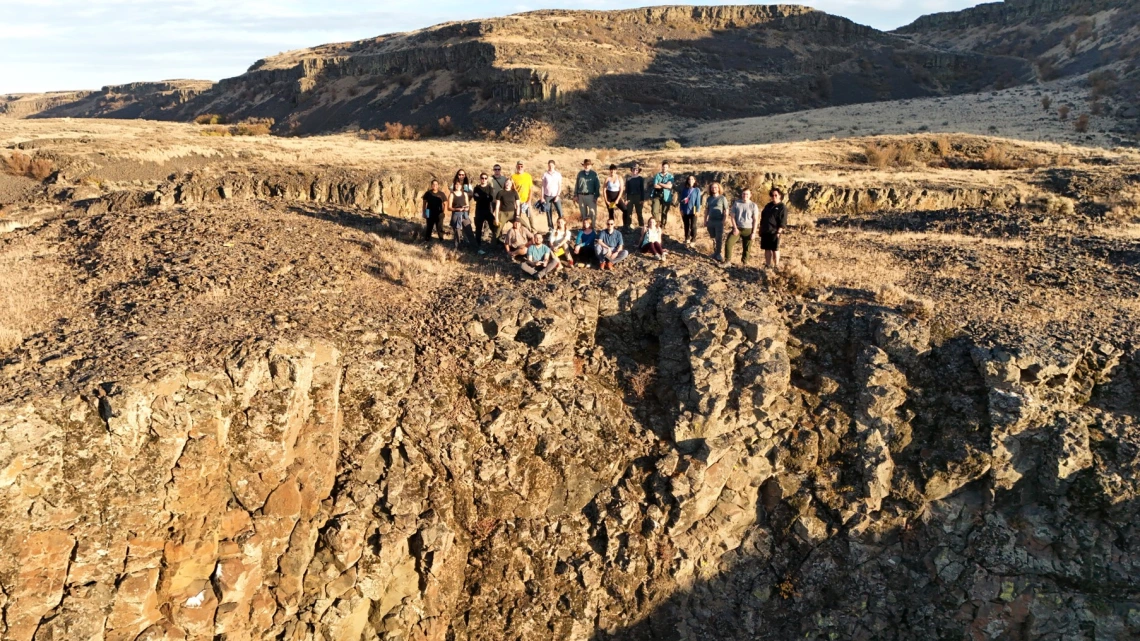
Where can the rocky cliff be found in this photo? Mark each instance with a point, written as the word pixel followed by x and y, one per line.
pixel 677 456
pixel 575 69
pixel 1061 38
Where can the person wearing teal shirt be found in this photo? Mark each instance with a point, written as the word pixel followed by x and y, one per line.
pixel 540 260
pixel 663 196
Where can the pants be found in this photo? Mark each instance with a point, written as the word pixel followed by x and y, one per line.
pixel 564 254
pixel 464 231
pixel 746 242
pixel 588 207
pixel 525 210
pixel 661 212
pixel 635 206
pixel 551 204
pixel 716 231
pixel 434 220
pixel 690 222
pixel 653 248
pixel 505 218
pixel 551 265
pixel 587 253
pixel 613 256
pixel 485 218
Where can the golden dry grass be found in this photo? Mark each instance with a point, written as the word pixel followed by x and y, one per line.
pixel 412 265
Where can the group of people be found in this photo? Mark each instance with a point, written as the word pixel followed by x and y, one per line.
pixel 500 203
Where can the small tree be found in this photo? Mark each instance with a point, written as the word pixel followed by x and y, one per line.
pixel 1046 102
pixel 1063 111
pixel 1082 124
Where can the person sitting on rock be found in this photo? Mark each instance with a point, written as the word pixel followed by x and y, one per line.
pixel 584 245
pixel 559 240
pixel 651 240
pixel 539 259
pixel 610 246
pixel 516 240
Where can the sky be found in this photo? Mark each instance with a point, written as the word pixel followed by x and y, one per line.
pixel 48 45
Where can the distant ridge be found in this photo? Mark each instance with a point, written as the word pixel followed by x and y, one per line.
pixel 561 72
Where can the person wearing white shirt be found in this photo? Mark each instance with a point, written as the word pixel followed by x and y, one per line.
pixel 551 193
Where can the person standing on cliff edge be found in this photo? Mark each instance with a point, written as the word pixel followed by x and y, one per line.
pixel 587 188
pixel 773 220
pixel 433 201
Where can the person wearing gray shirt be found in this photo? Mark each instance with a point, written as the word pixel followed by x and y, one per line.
pixel 740 223
pixel 716 209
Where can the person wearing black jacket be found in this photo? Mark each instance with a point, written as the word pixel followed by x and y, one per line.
pixel 773 220
pixel 484 197
pixel 635 194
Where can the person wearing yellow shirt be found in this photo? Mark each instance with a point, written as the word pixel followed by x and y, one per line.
pixel 524 184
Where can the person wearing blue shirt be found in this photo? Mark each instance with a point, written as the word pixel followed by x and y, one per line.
pixel 663 196
pixel 584 245
pixel 690 205
pixel 540 259
pixel 610 246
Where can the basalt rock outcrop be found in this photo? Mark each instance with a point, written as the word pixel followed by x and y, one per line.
pixel 558 67
pixel 398 194
pixel 674 454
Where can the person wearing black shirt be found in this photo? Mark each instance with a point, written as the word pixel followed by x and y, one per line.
pixel 507 204
pixel 635 197
pixel 484 197
pixel 773 220
pixel 433 200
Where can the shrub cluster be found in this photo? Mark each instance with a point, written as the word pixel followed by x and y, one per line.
pixel 21 164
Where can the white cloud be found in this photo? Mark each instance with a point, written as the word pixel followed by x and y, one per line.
pixel 71 44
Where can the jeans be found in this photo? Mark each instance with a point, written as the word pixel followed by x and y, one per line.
pixel 690 222
pixel 745 240
pixel 465 231
pixel 434 220
pixel 551 204
pixel 716 231
pixel 661 212
pixel 588 207
pixel 613 256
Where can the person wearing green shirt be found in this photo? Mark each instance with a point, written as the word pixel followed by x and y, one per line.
pixel 663 196
pixel 587 188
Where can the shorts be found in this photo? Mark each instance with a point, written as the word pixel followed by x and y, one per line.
pixel 770 242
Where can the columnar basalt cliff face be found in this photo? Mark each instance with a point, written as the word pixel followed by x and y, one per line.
pixel 1061 38
pixel 573 69
pixel 825 471
pixel 1011 12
